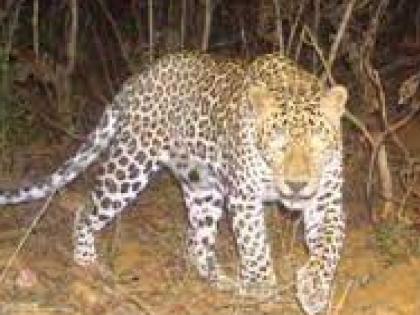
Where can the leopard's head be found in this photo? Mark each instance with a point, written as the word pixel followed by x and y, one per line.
pixel 297 134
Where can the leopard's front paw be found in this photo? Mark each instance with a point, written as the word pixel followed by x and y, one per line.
pixel 313 289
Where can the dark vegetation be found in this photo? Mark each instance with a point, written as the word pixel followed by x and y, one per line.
pixel 61 61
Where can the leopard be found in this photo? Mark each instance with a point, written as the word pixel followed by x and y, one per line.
pixel 236 134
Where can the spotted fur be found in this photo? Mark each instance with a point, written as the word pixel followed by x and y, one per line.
pixel 235 134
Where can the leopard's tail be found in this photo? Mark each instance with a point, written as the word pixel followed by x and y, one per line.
pixel 97 141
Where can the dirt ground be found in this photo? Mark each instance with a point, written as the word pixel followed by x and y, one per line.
pixel 142 269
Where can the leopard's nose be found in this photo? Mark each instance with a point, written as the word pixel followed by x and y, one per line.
pixel 296 186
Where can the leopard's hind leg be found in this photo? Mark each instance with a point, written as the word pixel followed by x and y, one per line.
pixel 122 176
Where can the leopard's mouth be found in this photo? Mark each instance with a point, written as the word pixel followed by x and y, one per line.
pixel 295 203
pixel 296 197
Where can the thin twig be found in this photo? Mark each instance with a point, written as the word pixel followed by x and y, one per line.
pixel 151 30
pixel 338 37
pixel 244 39
pixel 183 22
pixel 339 306
pixel 294 27
pixel 299 45
pixel 116 32
pixel 317 18
pixel 370 37
pixel 72 38
pixel 12 28
pixel 314 43
pixel 340 32
pixel 207 26
pixel 35 29
pixel 361 126
pixel 25 237
pixel 279 26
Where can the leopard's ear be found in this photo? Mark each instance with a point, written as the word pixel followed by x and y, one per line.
pixel 333 102
pixel 260 97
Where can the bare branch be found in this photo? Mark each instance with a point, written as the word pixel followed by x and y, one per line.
pixel 207 26
pixel 317 18
pixel 116 32
pixel 279 26
pixel 294 27
pixel 361 126
pixel 343 25
pixel 183 22
pixel 151 30
pixel 299 45
pixel 35 29
pixel 314 43
pixel 72 39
